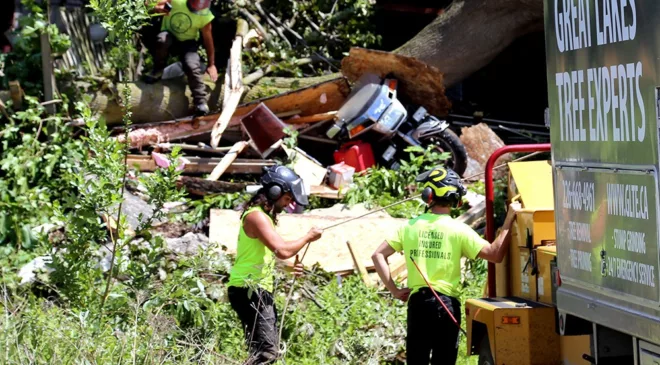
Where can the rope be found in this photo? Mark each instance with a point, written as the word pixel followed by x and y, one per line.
pixel 288 299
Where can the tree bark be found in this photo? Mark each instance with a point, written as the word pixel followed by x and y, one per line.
pixel 471 33
pixel 171 99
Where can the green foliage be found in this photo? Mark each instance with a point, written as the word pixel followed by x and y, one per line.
pixel 31 168
pixel 147 307
pixel 199 209
pixel 382 186
pixel 326 28
pixel 122 19
pixel 24 62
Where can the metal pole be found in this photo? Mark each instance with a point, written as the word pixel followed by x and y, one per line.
pixel 490 199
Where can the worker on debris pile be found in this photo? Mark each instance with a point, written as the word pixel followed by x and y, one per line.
pixel 251 279
pixel 436 242
pixel 182 22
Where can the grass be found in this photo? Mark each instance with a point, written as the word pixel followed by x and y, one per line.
pixel 329 322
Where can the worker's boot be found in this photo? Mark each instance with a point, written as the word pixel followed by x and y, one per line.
pixel 201 109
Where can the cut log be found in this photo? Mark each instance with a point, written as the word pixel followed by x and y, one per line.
pixel 481 142
pixel 227 160
pixel 202 165
pixel 417 81
pixel 202 187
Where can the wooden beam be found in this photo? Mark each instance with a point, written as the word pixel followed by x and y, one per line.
pixel 202 165
pixel 311 118
pixel 399 269
pixel 203 187
pixel 190 147
pixel 359 266
pixel 323 191
pixel 227 160
pixel 233 88
pixel 47 69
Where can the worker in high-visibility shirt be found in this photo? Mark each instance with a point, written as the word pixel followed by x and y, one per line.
pixel 251 279
pixel 436 242
pixel 183 21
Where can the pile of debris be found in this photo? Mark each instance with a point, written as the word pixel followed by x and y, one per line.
pixel 255 132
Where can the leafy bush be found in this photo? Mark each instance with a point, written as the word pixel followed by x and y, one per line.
pixel 25 58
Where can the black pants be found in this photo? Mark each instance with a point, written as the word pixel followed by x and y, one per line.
pixel 259 317
pixel 187 52
pixel 430 329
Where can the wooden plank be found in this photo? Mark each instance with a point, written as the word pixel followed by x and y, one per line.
pixel 308 169
pixel 203 187
pixel 473 214
pixel 311 118
pixel 359 266
pixel 227 160
pixel 87 44
pixel 323 191
pixel 398 269
pixel 233 87
pixel 330 251
pixel 202 165
pixel 47 70
pixel 316 99
pixel 80 36
pixel 190 147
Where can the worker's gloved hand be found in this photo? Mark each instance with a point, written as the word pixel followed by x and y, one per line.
pixel 314 234
pixel 298 268
pixel 402 294
pixel 515 207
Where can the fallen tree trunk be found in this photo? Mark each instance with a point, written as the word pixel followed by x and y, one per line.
pixel 470 34
pixel 171 99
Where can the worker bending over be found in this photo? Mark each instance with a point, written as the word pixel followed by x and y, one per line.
pixel 251 279
pixel 436 242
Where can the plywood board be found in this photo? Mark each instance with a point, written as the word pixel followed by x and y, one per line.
pixel 330 252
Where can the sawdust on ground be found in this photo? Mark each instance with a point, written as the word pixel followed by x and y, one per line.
pixel 331 251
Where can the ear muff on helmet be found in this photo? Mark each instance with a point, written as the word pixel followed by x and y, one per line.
pixel 274 192
pixel 427 195
pixel 278 180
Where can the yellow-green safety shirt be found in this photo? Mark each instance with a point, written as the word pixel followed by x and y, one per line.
pixel 437 243
pixel 254 261
pixel 183 23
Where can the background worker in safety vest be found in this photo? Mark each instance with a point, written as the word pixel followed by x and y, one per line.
pixel 436 243
pixel 180 28
pixel 251 279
